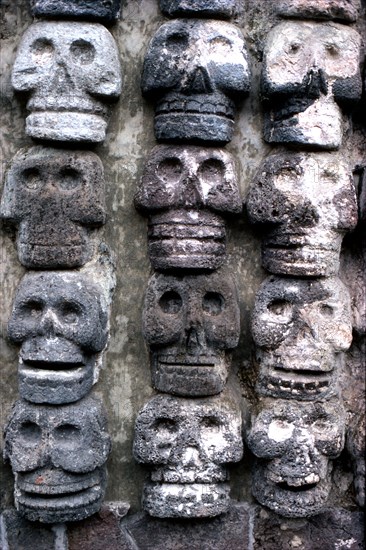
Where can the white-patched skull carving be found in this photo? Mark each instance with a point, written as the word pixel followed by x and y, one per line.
pixel 343 10
pixel 188 444
pixel 190 323
pixel 186 191
pixel 310 73
pixel 308 202
pixel 58 457
pixel 195 69
pixel 294 443
pixel 60 320
pixel 301 329
pixel 71 73
pixel 55 197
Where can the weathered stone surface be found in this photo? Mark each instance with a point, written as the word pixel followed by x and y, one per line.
pixel 55 197
pixel 17 533
pixel 60 320
pixel 186 191
pixel 70 72
pixel 195 69
pixel 356 448
pixel 95 10
pixel 300 328
pixel 188 442
pixel 199 8
pixel 294 442
pixel 308 202
pixel 58 456
pixel 343 10
pixel 310 72
pixel 190 323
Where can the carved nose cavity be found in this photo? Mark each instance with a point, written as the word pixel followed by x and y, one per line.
pixel 194 339
pixel 48 323
pixel 198 82
pixel 316 83
pixel 62 79
pixel 191 195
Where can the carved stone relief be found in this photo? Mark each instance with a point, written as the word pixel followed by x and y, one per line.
pixel 343 10
pixel 188 443
pixel 194 70
pixel 70 73
pixel 60 319
pixel 186 191
pixel 216 9
pixel 55 197
pixel 98 10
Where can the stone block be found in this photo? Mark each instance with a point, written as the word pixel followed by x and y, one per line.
pixel 93 10
pixel 17 533
pixel 340 10
pixel 216 9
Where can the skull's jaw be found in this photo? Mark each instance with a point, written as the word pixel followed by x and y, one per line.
pixel 66 126
pixel 196 500
pixel 57 256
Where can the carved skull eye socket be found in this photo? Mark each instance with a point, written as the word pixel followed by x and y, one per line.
pixel 326 310
pixel 221 42
pixel 30 432
pixel 42 51
pixel 171 302
pixel 70 179
pixel 177 42
pixel 165 426
pixel 294 48
pixel 82 52
pixel 213 303
pixel 67 433
pixel 332 50
pixel 70 312
pixel 33 307
pixel 211 423
pixel 211 171
pixel 32 178
pixel 281 309
pixel 169 170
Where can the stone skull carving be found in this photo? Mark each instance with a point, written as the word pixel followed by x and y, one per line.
pixel 343 10
pixel 55 197
pixel 308 202
pixel 190 323
pixel 188 443
pixel 100 10
pixel 186 191
pixel 198 8
pixel 300 328
pixel 310 72
pixel 60 320
pixel 58 456
pixel 294 443
pixel 71 73
pixel 195 69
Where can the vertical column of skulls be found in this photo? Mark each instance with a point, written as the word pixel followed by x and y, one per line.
pixel 195 68
pixel 56 438
pixel 304 196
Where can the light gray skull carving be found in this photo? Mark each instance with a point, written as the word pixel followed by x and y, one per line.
pixel 300 328
pixel 55 197
pixel 186 191
pixel 294 442
pixel 58 456
pixel 345 10
pixel 310 71
pixel 71 73
pixel 188 443
pixel 190 324
pixel 60 320
pixel 196 69
pixel 308 202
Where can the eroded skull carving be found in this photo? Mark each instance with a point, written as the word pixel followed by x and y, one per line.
pixel 300 329
pixel 58 457
pixel 343 10
pixel 60 320
pixel 308 202
pixel 71 73
pixel 190 324
pixel 201 8
pixel 188 442
pixel 97 10
pixel 294 443
pixel 55 197
pixel 310 72
pixel 195 69
pixel 186 191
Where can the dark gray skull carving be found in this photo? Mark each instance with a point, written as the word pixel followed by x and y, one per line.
pixel 58 456
pixel 71 72
pixel 198 8
pixel 190 322
pixel 195 69
pixel 310 71
pixel 345 10
pixel 188 443
pixel 60 320
pixel 300 329
pixel 308 202
pixel 186 191
pixel 294 442
pixel 55 197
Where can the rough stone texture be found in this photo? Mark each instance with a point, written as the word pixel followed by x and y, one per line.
pixel 54 197
pixel 58 456
pixel 294 442
pixel 186 191
pixel 216 9
pixel 17 533
pixel 343 10
pixel 94 10
pixel 60 319
pixel 195 70
pixel 356 448
pixel 310 72
pixel 70 72
pixel 188 442
pixel 308 202
pixel 301 329
pixel 190 322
